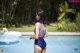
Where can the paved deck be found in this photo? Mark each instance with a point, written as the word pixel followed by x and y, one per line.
pixel 53 33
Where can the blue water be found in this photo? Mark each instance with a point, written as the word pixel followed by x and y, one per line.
pixel 55 44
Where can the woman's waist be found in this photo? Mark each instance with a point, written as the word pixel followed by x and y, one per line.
pixel 40 37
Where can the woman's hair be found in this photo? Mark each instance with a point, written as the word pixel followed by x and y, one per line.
pixel 42 15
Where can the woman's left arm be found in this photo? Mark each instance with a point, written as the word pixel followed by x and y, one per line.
pixel 46 32
pixel 37 32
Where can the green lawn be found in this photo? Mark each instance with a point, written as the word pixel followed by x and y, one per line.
pixel 51 28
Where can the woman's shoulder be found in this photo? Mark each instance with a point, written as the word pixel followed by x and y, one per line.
pixel 37 23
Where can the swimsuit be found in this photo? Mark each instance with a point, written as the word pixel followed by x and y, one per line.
pixel 40 41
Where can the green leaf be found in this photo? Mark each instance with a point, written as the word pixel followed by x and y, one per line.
pixel 66 6
pixel 1 20
pixel 71 10
pixel 63 7
pixel 61 16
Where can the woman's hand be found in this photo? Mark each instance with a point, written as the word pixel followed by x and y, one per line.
pixel 32 37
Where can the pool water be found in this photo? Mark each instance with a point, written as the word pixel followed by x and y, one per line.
pixel 55 44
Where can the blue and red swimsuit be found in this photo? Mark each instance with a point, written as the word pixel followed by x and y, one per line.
pixel 40 41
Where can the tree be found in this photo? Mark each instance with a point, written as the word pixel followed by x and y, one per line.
pixel 64 8
pixel 8 10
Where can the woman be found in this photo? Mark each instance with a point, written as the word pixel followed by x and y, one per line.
pixel 40 33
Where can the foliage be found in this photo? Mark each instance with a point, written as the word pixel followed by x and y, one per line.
pixel 78 21
pixel 16 21
pixel 1 25
pixel 16 13
pixel 64 8
pixel 1 20
pixel 66 25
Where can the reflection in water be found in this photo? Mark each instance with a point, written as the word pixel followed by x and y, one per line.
pixel 76 50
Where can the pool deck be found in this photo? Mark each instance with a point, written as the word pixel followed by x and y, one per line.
pixel 52 33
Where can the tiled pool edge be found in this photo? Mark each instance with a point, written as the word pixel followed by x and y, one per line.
pixel 52 33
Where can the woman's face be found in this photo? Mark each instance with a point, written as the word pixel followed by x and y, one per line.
pixel 37 17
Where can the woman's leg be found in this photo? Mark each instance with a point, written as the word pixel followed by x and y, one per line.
pixel 37 49
pixel 44 51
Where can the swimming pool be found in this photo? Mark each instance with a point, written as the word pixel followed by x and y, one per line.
pixel 55 44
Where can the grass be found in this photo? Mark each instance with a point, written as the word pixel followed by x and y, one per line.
pixel 51 28
pixel 23 28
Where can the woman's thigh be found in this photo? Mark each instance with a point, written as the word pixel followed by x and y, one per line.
pixel 37 49
pixel 44 50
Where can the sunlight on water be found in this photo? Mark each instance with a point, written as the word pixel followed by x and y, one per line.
pixel 55 44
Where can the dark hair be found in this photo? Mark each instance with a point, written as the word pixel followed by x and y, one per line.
pixel 42 15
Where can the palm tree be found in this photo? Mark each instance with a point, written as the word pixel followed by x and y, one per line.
pixel 64 8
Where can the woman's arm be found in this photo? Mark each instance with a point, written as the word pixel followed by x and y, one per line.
pixel 46 32
pixel 37 25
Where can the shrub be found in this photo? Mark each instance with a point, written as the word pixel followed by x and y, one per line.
pixel 78 21
pixel 66 25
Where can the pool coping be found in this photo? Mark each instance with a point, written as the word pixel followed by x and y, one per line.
pixel 52 33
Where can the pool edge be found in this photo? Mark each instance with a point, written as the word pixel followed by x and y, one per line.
pixel 53 33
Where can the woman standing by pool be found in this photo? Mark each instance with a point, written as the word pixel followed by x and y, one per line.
pixel 40 32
